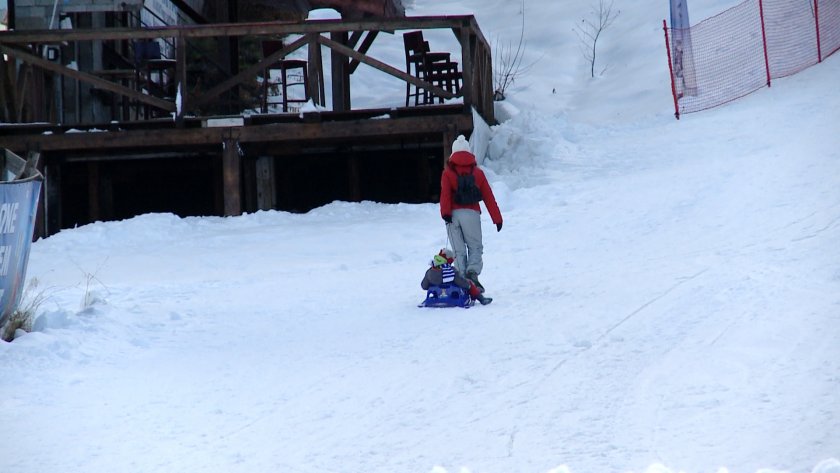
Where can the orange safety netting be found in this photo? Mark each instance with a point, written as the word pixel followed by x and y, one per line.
pixel 740 50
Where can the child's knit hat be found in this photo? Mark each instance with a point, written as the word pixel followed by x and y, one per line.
pixel 444 256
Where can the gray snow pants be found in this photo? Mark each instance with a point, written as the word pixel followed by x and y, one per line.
pixel 465 236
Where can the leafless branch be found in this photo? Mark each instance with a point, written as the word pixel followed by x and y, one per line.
pixel 589 31
pixel 507 62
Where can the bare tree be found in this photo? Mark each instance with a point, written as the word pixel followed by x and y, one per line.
pixel 507 62
pixel 589 31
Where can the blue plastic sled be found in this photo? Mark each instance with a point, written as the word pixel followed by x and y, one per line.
pixel 447 295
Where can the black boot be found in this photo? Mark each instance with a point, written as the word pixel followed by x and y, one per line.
pixel 484 300
pixel 473 276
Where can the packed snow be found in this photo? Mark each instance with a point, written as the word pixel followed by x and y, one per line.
pixel 666 299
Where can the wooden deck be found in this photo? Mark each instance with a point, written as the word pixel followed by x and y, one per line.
pixel 197 164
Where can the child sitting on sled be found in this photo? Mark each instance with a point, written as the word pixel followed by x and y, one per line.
pixel 442 272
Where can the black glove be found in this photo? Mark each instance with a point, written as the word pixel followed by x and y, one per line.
pixel 447 218
pixel 499 227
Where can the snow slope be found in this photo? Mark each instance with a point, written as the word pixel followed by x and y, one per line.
pixel 667 299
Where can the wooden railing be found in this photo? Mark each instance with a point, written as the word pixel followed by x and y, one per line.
pixel 348 41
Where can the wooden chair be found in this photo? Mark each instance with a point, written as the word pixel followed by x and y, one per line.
pixel 154 73
pixel 292 73
pixel 435 68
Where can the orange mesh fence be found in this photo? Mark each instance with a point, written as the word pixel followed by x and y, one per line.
pixel 740 50
pixel 829 17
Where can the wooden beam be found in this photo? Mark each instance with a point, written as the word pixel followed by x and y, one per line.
pixel 181 80
pixel 23 77
pixel 467 55
pixel 94 209
pixel 239 29
pixel 52 194
pixel 354 39
pixel 449 137
pixel 87 78
pixel 340 75
pixel 231 177
pixel 315 69
pixel 246 74
pixel 7 90
pixel 385 67
pixel 188 10
pixel 366 44
pixel 11 166
pixel 354 182
pixel 280 132
pixel 266 183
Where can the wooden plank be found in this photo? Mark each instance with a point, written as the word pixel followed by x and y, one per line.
pixel 354 39
pixel 354 181
pixel 7 95
pixel 280 132
pixel 23 77
pixel 181 80
pixel 266 191
pixel 12 167
pixel 88 78
pixel 231 177
pixel 245 75
pixel 240 29
pixel 94 213
pixel 366 44
pixel 33 159
pixel 449 137
pixel 467 55
pixel 316 71
pixel 52 193
pixel 340 75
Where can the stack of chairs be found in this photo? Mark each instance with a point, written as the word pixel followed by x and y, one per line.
pixel 435 68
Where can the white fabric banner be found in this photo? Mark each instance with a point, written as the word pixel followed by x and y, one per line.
pixel 681 54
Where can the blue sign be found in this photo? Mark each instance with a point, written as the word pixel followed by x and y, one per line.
pixel 18 207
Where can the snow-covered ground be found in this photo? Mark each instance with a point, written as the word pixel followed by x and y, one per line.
pixel 666 299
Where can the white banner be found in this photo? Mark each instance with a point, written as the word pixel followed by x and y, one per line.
pixel 681 54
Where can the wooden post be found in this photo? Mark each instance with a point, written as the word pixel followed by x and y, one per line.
pixel 180 80
pixel 94 213
pixel 340 75
pixel 231 177
pixel 353 175
pixel 764 39
pixel 52 192
pixel 467 40
pixel 448 138
pixel 316 70
pixel 266 185
pixel 423 176
pixel 6 89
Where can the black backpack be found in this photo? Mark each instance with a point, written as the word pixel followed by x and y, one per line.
pixel 467 192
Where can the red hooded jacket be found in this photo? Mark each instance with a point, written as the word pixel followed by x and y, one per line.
pixel 460 163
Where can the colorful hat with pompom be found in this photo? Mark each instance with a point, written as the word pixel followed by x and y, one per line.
pixel 444 256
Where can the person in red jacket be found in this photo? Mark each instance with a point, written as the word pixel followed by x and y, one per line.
pixel 462 186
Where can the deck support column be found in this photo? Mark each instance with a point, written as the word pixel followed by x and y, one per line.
pixel 266 183
pixel 52 194
pixel 340 75
pixel 354 179
pixel 231 177
pixel 448 138
pixel 94 213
